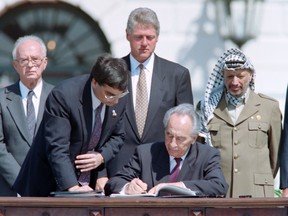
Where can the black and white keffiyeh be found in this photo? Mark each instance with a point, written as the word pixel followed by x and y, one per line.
pixel 231 59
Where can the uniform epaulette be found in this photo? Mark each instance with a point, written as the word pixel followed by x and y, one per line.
pixel 267 97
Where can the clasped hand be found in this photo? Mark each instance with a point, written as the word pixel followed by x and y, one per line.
pixel 89 161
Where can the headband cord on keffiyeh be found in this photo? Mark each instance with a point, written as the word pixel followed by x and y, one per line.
pixel 215 86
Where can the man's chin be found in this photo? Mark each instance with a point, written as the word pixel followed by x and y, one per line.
pixel 144 55
pixel 31 76
pixel 236 93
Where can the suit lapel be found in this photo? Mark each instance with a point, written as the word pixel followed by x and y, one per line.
pixel 86 111
pixel 15 107
pixel 250 108
pixel 222 112
pixel 44 94
pixel 130 112
pixel 106 125
pixel 160 165
pixel 156 95
pixel 188 163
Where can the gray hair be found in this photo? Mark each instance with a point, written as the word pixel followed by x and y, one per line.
pixel 184 109
pixel 23 39
pixel 144 16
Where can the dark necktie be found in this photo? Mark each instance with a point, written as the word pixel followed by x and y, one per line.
pixel 84 178
pixel 31 117
pixel 174 173
pixel 141 107
pixel 95 136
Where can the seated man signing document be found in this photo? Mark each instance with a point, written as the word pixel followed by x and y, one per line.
pixel 180 161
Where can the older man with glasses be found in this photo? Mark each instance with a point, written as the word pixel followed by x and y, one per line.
pixel 21 108
pixel 82 130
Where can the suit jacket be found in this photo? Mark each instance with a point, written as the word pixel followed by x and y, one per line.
pixel 249 148
pixel 15 139
pixel 66 129
pixel 200 170
pixel 171 86
pixel 284 149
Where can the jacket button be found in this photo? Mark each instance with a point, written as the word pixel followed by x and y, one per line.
pixel 236 156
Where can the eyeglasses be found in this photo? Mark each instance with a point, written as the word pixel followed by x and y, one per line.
pixel 114 97
pixel 35 61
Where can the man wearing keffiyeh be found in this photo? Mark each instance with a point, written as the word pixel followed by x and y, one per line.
pixel 244 125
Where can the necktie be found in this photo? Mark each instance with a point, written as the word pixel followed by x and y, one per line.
pixel 84 178
pixel 141 101
pixel 95 136
pixel 174 173
pixel 31 117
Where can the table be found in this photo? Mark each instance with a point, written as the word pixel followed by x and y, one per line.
pixel 152 206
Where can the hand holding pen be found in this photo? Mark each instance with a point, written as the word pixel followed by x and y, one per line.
pixel 136 186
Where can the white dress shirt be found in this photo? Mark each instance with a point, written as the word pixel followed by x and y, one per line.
pixel 135 71
pixel 35 99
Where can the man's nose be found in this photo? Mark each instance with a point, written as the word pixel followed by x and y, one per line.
pixel 173 141
pixel 235 80
pixel 144 41
pixel 115 101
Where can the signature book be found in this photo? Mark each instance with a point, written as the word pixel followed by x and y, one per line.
pixel 166 191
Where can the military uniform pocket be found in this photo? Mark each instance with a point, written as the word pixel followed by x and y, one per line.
pixel 258 134
pixel 215 135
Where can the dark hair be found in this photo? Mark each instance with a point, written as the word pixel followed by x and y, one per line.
pixel 111 71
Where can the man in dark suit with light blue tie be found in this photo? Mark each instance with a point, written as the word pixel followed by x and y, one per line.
pixel 61 152
pixel 30 61
pixel 168 84
pixel 152 165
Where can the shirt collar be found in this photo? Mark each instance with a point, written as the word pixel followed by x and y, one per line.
pixel 37 90
pixel 95 101
pixel 183 157
pixel 148 64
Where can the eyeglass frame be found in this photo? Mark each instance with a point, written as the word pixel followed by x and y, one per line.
pixel 114 97
pixel 30 60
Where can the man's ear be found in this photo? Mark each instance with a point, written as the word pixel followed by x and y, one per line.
pixel 194 139
pixel 94 82
pixel 127 36
pixel 14 63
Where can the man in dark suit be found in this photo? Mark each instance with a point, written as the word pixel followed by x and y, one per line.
pixel 167 85
pixel 60 154
pixel 30 61
pixel 152 165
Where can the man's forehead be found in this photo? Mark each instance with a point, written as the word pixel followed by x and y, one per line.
pixel 236 71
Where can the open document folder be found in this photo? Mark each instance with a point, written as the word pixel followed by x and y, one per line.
pixel 166 191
